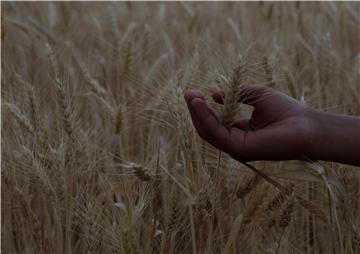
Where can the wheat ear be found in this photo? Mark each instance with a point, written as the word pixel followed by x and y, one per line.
pixel 242 191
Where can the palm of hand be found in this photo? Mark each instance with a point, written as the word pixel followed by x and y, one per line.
pixel 277 130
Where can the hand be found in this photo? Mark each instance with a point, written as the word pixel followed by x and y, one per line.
pixel 280 127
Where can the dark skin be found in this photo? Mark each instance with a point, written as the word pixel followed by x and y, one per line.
pixel 280 128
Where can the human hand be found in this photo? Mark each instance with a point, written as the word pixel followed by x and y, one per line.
pixel 280 127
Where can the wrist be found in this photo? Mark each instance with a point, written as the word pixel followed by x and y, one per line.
pixel 334 137
pixel 314 133
pixel 317 127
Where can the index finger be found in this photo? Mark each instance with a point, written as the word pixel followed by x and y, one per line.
pixel 206 121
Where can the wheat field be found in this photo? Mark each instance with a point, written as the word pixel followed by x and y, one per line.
pixel 99 154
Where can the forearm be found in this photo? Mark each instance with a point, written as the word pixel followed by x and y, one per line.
pixel 337 138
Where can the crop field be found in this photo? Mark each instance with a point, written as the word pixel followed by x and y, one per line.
pixel 98 151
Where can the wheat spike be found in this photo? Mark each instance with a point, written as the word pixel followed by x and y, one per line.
pixel 141 173
pixel 233 87
pixel 280 198
pixel 268 72
pixel 174 215
pixel 251 184
pixel 286 215
pixel 118 120
pixel 21 118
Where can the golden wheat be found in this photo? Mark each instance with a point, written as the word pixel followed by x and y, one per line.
pixel 99 154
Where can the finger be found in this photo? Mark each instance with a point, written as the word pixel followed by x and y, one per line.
pixel 191 94
pixel 218 96
pixel 208 126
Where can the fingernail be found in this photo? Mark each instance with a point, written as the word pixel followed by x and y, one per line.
pixel 187 96
pixel 191 94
